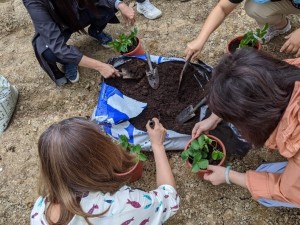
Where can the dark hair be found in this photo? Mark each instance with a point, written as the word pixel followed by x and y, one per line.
pixel 76 157
pixel 252 89
pixel 68 16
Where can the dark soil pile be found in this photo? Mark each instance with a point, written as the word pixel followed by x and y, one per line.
pixel 163 103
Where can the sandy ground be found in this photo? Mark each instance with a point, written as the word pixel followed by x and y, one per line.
pixel 41 103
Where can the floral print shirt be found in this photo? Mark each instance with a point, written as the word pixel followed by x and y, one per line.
pixel 127 206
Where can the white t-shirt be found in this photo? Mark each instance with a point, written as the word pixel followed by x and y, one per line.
pixel 127 207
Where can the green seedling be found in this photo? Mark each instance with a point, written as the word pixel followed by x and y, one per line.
pixel 133 149
pixel 198 153
pixel 251 38
pixel 123 42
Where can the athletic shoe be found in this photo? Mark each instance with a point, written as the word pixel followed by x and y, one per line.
pixel 148 10
pixel 273 31
pixel 71 72
pixel 102 37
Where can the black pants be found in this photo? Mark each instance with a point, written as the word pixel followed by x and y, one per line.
pixel 140 1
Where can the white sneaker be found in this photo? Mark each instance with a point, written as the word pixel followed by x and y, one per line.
pixel 273 32
pixel 148 10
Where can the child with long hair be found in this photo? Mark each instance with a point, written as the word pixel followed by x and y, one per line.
pixel 79 182
pixel 260 95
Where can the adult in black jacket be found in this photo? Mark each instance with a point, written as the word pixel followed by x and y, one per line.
pixel 56 20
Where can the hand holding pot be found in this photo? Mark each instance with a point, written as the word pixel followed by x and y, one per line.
pixel 216 176
pixel 206 125
pixel 156 134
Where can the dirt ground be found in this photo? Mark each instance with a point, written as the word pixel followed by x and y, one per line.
pixel 41 103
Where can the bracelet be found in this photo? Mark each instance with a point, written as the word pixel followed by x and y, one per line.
pixel 227 175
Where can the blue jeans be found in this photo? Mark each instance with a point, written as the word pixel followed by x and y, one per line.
pixel 274 168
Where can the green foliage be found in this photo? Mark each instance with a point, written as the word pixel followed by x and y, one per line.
pixel 198 152
pixel 123 42
pixel 251 38
pixel 133 149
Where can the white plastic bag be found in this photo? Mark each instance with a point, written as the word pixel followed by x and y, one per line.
pixel 8 100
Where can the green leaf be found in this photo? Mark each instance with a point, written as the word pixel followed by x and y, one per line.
pixel 185 155
pixel 137 148
pixel 204 155
pixel 142 157
pixel 195 168
pixel 195 145
pixel 201 140
pixel 198 157
pixel 203 164
pixel 217 155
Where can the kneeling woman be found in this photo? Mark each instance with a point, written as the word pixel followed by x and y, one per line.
pixel 260 95
pixel 81 182
pixel 54 22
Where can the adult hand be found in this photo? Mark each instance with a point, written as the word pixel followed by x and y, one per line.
pixel 127 13
pixel 193 49
pixel 292 45
pixel 107 70
pixel 157 133
pixel 205 125
pixel 216 175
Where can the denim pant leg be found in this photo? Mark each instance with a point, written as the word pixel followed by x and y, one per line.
pixel 278 167
pixel 98 24
pixel 49 56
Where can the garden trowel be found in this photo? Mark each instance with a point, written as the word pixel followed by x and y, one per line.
pixel 183 70
pixel 152 74
pixel 189 112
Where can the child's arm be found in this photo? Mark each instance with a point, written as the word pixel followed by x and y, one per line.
pixel 164 173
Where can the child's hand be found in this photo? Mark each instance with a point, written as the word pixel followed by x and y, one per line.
pixel 157 133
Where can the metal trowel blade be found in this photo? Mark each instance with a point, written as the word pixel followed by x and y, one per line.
pixel 153 78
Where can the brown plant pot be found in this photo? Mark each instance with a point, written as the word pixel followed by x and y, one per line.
pixel 233 44
pixel 138 50
pixel 201 173
pixel 135 172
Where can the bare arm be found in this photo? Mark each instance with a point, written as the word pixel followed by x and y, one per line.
pixel 164 173
pixel 206 125
pixel 106 70
pixel 213 21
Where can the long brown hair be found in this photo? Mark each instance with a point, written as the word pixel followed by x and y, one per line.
pixel 66 11
pixel 77 157
pixel 252 89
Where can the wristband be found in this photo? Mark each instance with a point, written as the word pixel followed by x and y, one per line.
pixel 227 175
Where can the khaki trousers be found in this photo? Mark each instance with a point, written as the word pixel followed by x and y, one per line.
pixel 272 13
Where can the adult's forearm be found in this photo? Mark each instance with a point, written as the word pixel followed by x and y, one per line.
pixel 90 63
pixel 164 173
pixel 238 178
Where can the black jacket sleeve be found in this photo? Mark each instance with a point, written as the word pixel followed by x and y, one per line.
pixel 50 32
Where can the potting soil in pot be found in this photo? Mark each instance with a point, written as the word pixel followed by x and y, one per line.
pixel 164 102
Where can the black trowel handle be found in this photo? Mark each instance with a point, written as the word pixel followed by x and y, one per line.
pixel 152 124
pixel 201 103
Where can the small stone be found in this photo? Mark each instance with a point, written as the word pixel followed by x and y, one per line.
pixel 93 83
pixel 29 122
pixel 21 107
pixel 228 214
pixel 1 169
pixel 87 86
pixel 211 55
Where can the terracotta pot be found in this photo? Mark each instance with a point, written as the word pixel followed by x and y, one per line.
pixel 137 51
pixel 201 173
pixel 136 172
pixel 237 40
